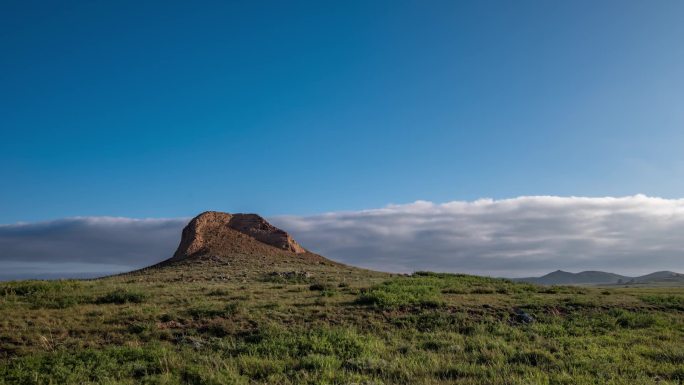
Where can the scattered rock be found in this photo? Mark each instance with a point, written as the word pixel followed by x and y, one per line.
pixel 291 275
pixel 170 325
pixel 521 317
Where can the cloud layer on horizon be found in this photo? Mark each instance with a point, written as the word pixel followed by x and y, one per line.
pixel 510 237
pixel 85 246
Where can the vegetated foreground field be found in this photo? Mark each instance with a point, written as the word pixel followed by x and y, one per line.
pixel 332 327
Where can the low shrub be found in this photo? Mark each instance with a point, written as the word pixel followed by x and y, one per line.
pixel 402 292
pixel 675 302
pixel 484 290
pixel 28 288
pixel 212 310
pixel 537 358
pixel 291 277
pixel 320 286
pixel 58 294
pixel 633 320
pixel 425 289
pixel 121 296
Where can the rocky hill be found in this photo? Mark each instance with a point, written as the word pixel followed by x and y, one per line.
pixel 222 246
pixel 219 233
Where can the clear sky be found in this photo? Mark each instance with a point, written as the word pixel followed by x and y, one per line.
pixel 166 109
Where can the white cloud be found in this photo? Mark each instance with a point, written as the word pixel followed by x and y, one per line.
pixel 509 237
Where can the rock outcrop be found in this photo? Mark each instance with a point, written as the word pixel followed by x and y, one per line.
pixel 258 228
pixel 217 232
pixel 224 247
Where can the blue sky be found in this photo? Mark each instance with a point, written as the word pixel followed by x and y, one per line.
pixel 166 109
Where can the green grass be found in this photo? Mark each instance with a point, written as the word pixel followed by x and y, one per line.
pixel 206 310
pixel 336 328
pixel 44 294
pixel 401 293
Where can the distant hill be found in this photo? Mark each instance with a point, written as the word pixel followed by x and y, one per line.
pixel 560 277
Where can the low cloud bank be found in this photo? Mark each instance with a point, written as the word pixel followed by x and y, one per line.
pixel 510 237
pixel 85 246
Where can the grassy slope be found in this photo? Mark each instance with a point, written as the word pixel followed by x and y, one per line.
pixel 191 324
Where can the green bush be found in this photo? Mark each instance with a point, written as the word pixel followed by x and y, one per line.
pixel 122 296
pixel 485 290
pixel 212 310
pixel 402 292
pixel 317 362
pixel 665 301
pixel 425 289
pixel 320 287
pixel 672 356
pixel 199 375
pixel 340 342
pixel 28 288
pixel 58 294
pixel 260 367
pixel 633 320
pixel 98 366
pixel 537 358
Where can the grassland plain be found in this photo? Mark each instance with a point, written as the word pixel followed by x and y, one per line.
pixel 187 325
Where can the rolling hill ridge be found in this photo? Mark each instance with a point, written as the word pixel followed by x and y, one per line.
pixel 560 277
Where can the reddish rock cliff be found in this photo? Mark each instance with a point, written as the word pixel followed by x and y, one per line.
pixel 214 231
